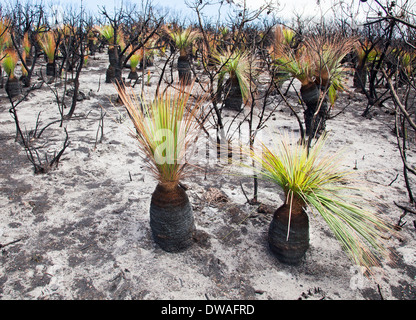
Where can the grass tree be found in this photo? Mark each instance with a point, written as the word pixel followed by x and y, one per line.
pixel 317 180
pixel 134 62
pixel 128 34
pixel 48 43
pixel 405 59
pixel 9 62
pixel 166 130
pixel 107 32
pixel 300 65
pixel 235 67
pixel 366 53
pixel 330 72
pixel 317 64
pixel 183 40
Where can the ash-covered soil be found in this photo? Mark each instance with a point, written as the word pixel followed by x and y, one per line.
pixel 81 230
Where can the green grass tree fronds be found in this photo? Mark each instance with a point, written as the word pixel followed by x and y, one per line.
pixel 9 62
pixel 135 59
pixel 107 32
pixel 182 39
pixel 48 44
pixel 166 130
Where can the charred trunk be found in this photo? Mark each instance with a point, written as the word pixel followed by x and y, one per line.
pixel 184 70
pixel 314 124
pixel 289 242
pixel 360 79
pixel 133 75
pixel 110 74
pixel 113 73
pixel 13 87
pixel 29 61
pixel 171 218
pixel 114 70
pixel 233 98
pixel 113 56
pixel 51 69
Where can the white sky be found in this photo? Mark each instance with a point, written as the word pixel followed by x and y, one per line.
pixel 306 8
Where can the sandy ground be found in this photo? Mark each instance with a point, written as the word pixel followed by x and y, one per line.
pixel 81 231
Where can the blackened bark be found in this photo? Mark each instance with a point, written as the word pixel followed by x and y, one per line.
pixel 289 241
pixel 315 122
pixel 171 218
pixel 233 97
pixel 184 71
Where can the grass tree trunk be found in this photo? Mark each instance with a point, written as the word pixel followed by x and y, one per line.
pixel 289 232
pixel 314 124
pixel 184 70
pixel 51 69
pixel 13 87
pixel 360 78
pixel 114 69
pixel 133 75
pixel 171 218
pixel 112 55
pixel 233 97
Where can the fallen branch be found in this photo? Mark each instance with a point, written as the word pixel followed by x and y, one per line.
pixel 11 242
pixel 393 180
pixel 406 209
